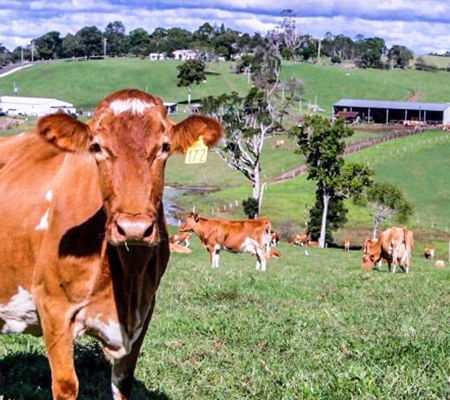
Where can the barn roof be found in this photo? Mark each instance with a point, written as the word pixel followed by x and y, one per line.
pixel 393 105
pixel 32 100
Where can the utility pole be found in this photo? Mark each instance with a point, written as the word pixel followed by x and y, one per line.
pixel 32 50
pixel 104 46
pixel 21 56
pixel 319 45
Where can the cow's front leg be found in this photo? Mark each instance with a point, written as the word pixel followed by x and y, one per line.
pixel 122 378
pixel 59 346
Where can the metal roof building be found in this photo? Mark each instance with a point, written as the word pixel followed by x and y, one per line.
pixel 33 106
pixel 385 112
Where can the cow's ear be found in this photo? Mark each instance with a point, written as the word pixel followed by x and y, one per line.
pixel 185 133
pixel 196 217
pixel 64 131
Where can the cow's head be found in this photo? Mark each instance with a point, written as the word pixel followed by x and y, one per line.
pixel 368 261
pixel 189 223
pixel 130 138
pixel 369 256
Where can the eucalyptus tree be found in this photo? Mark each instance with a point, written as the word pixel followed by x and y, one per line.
pixel 322 142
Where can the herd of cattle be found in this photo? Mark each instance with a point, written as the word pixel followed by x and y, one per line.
pixel 84 241
pixel 393 246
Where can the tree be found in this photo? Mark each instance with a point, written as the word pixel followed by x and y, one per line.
pixel 71 46
pixel 322 143
pixel 138 42
pixel 372 50
pixel 399 56
pixel 5 55
pixel 90 41
pixel 49 46
pixel 247 120
pixel 115 38
pixel 386 202
pixel 291 38
pixel 191 71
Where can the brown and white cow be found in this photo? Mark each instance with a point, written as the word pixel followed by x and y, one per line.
pixel 428 253
pixel 300 239
pixel 244 236
pixel 275 238
pixel 181 238
pixel 84 242
pixel 346 243
pixel 393 245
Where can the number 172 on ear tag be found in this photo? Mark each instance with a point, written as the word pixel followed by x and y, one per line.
pixel 197 153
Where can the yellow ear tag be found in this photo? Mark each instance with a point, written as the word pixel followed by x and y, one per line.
pixel 197 153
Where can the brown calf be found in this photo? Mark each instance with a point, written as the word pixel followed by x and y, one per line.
pixel 249 236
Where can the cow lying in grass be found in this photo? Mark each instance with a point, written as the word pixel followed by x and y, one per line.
pixel 245 236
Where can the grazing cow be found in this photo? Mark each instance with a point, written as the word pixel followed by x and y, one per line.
pixel 393 245
pixel 84 242
pixel 245 236
pixel 428 253
pixel 439 264
pixel 274 239
pixel 300 239
pixel 346 244
pixel 279 143
pixel 181 238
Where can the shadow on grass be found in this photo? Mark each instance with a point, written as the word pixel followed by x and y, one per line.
pixel 26 376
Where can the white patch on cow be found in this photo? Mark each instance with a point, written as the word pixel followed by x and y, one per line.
pixel 19 313
pixel 49 196
pixel 135 106
pixel 43 223
pixel 117 342
pixel 249 246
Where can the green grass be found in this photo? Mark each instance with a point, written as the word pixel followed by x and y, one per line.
pixel 311 327
pixel 85 83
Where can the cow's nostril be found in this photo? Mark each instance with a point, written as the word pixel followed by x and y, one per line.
pixel 120 230
pixel 148 231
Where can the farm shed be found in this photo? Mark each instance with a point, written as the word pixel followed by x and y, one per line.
pixel 172 108
pixel 385 112
pixel 33 106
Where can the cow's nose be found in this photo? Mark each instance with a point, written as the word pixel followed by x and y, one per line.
pixel 135 228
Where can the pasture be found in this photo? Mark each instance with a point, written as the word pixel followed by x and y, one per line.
pixel 313 326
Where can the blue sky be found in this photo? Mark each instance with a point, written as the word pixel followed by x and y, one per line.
pixel 421 25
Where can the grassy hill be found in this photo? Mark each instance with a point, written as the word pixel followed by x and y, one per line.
pixel 313 326
pixel 86 82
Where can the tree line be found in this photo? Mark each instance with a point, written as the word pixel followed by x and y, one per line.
pixel 210 41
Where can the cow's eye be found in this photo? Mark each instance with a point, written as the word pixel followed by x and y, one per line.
pixel 165 148
pixel 95 148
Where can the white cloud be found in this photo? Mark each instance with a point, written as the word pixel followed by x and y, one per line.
pixel 421 25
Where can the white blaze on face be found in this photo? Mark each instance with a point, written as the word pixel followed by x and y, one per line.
pixel 19 313
pixel 135 106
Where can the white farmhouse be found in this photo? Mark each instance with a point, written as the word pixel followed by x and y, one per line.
pixel 184 54
pixel 33 106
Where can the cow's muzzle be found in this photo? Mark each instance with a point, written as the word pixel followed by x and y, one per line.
pixel 129 229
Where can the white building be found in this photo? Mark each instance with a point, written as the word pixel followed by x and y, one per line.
pixel 157 56
pixel 184 54
pixel 33 106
